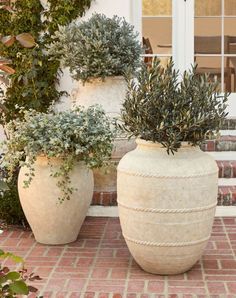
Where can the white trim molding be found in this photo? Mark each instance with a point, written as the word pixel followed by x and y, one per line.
pixel 183 34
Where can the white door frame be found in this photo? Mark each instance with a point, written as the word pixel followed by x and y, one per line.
pixel 182 35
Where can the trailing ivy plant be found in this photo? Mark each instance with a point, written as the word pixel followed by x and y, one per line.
pixel 162 107
pixel 81 135
pixel 97 48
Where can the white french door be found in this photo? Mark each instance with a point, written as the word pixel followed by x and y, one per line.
pixel 201 31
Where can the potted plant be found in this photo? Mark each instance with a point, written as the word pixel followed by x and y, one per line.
pixel 98 52
pixel 55 182
pixel 167 187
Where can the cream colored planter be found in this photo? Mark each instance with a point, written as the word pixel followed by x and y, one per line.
pixel 53 222
pixel 110 94
pixel 166 205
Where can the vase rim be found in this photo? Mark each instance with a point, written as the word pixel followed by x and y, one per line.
pixel 143 142
pixel 101 80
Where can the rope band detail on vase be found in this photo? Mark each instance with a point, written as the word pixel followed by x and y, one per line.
pixel 156 175
pixel 166 244
pixel 153 210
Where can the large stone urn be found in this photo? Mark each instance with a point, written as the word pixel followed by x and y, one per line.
pixel 110 94
pixel 166 205
pixel 52 221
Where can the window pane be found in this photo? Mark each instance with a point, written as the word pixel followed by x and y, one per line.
pixel 230 64
pixel 157 7
pixel 230 34
pixel 230 7
pixel 208 7
pixel 210 65
pixel 159 33
pixel 208 26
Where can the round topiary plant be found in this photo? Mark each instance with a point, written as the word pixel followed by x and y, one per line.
pixel 161 107
pixel 97 48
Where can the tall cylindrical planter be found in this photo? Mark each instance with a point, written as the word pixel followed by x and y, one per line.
pixel 53 222
pixel 166 205
pixel 110 94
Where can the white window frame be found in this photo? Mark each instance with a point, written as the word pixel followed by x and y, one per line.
pixel 182 35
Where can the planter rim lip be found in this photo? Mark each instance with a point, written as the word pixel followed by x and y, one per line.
pixel 184 145
pixel 57 158
pixel 93 80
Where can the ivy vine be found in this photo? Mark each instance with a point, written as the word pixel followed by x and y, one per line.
pixel 34 83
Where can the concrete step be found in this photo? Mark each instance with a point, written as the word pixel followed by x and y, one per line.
pixel 228 132
pixel 227 181
pixel 223 155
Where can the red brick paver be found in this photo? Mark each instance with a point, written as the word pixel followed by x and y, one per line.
pixel 99 265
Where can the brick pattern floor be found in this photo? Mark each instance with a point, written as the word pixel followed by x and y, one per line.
pixel 99 265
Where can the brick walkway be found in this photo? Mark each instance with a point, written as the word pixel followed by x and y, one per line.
pixel 99 265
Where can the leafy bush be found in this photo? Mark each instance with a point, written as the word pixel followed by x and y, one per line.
pixel 33 85
pixel 161 108
pixel 97 48
pixel 83 134
pixel 15 283
pixel 10 208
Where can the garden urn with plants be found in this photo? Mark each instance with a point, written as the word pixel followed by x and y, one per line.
pixel 167 187
pixel 56 153
pixel 98 52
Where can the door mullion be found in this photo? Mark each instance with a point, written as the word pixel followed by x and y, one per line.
pixel 183 34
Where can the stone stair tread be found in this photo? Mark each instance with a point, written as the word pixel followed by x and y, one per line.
pixel 228 132
pixel 227 182
pixel 223 155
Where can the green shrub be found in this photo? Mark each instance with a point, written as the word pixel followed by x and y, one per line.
pixel 97 48
pixel 161 107
pixel 10 208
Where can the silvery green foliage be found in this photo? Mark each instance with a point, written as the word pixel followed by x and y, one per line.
pixel 80 135
pixel 97 48
pixel 161 108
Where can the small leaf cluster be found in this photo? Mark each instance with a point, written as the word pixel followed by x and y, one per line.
pixel 97 48
pixel 81 135
pixel 15 283
pixel 161 106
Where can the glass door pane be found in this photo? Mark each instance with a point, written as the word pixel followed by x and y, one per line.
pixel 157 28
pixel 215 43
